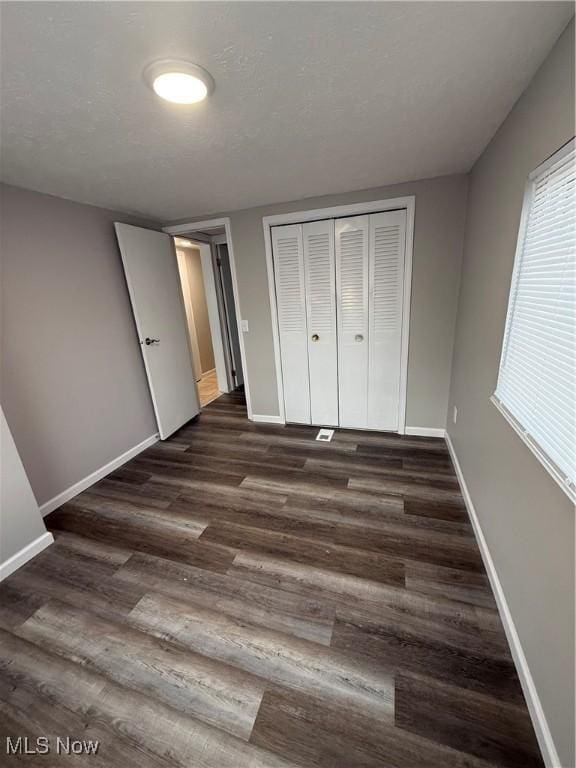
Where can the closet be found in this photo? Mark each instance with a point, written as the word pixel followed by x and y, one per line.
pixel 339 295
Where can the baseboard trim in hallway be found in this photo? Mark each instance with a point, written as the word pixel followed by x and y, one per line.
pixel 98 474
pixel 541 728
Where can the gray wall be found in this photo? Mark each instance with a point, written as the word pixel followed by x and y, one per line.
pixel 527 520
pixel 439 229
pixel 20 520
pixel 72 380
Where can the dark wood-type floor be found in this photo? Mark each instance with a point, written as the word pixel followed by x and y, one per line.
pixel 242 596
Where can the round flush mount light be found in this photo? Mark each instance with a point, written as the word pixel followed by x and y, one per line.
pixel 179 81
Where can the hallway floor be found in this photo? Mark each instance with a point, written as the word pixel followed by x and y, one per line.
pixel 208 388
pixel 242 596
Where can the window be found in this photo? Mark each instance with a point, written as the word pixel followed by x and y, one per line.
pixel 536 388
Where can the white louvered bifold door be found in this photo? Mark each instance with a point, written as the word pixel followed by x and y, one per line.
pixel 351 236
pixel 386 290
pixel 320 276
pixel 291 301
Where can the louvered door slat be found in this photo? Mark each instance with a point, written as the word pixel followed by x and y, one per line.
pixel 351 237
pixel 291 302
pixel 320 277
pixel 386 289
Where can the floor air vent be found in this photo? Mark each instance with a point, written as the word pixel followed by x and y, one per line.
pixel 325 435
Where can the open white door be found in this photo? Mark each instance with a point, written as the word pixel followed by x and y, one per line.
pixel 151 270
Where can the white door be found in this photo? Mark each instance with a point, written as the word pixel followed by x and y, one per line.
pixel 291 302
pixel 230 312
pixel 192 334
pixel 320 280
pixel 386 290
pixel 351 236
pixel 151 270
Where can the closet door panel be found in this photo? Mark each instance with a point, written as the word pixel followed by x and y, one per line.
pixel 386 270
pixel 320 276
pixel 351 237
pixel 291 301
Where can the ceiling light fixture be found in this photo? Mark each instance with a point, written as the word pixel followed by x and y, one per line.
pixel 179 81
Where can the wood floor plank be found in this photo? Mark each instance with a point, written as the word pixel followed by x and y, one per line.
pixel 125 721
pixel 400 648
pixel 382 530
pixel 445 509
pixel 375 469
pixel 159 466
pixel 84 586
pixel 277 609
pixel 17 603
pixel 240 464
pixel 452 583
pixel 357 562
pixel 433 617
pixel 459 718
pixel 369 512
pixel 272 655
pixel 367 441
pixel 406 489
pixel 393 538
pixel 321 734
pixel 89 550
pixel 178 542
pixel 189 682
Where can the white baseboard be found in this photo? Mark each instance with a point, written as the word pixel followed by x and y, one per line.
pixel 535 708
pixel 425 431
pixel 81 485
pixel 25 554
pixel 267 419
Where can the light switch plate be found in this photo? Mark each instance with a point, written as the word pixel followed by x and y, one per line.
pixel 455 415
pixel 244 326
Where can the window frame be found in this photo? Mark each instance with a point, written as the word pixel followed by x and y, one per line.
pixel 565 483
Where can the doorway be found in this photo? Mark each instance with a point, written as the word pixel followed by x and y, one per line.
pixel 198 321
pixel 207 288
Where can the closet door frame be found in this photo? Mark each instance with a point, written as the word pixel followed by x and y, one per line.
pixel 356 209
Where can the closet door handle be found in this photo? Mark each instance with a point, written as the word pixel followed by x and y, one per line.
pixel 315 337
pixel 358 337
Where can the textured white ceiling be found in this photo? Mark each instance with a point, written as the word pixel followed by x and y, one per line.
pixel 311 98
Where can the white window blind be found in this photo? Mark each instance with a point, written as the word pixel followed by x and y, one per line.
pixel 537 382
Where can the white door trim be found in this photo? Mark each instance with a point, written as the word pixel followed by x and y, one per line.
pixel 195 226
pixel 356 209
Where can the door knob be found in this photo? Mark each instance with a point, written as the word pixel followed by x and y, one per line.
pixel 315 337
pixel 149 341
pixel 358 337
